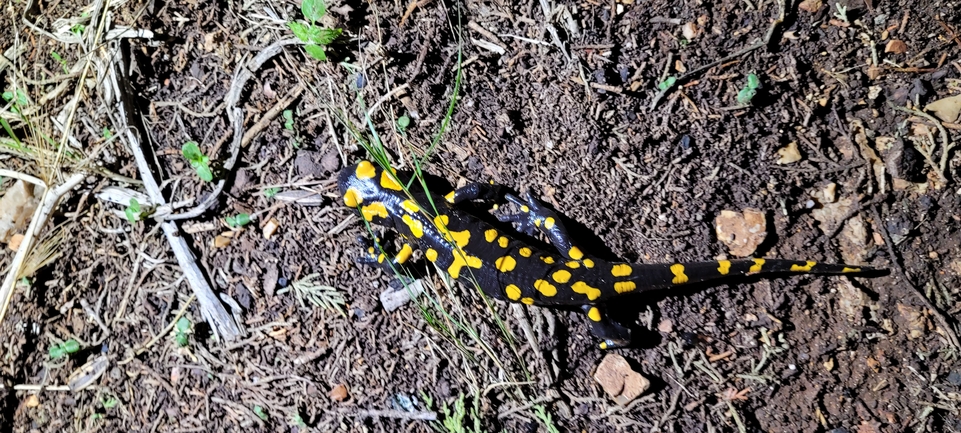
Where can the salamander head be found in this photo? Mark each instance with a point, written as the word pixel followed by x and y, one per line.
pixel 367 186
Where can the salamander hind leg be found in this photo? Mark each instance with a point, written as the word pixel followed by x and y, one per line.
pixel 374 255
pixel 476 191
pixel 611 333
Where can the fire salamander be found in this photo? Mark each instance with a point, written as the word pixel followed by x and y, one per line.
pixel 505 268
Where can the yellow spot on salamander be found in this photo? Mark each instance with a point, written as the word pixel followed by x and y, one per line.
pixel 582 288
pixel 416 227
pixel 449 197
pixel 513 292
pixel 588 263
pixel 388 182
pixel 524 252
pixel 678 270
pixel 573 264
pixel 621 270
pixel 374 209
pixel 594 314
pixel 460 262
pixel 404 254
pixel 365 170
pixel 431 254
pixel 527 301
pixel 548 223
pixel 758 263
pixel 410 206
pixel 624 286
pixel 524 208
pixel 502 241
pixel 575 253
pixel 352 197
pixel 505 264
pixel 381 257
pixel 546 289
pixel 846 270
pixel 490 235
pixel 461 238
pixel 723 266
pixel 441 222
pixel 548 259
pixel 603 345
pixel 561 276
pixel 806 268
pixel 537 222
pixel 370 250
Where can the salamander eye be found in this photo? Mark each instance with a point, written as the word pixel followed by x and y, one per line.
pixel 352 197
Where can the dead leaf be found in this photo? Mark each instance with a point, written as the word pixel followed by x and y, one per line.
pixel 947 109
pixel 896 46
pixel 16 208
pixel 788 154
pixel 741 232
pixel 619 380
pixel 88 373
pixel 339 393
pixel 811 6
pixel 917 321
pixel 15 242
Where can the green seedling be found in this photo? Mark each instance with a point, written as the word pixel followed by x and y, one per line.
pixel 261 412
pixel 271 192
pixel 63 63
pixel 68 347
pixel 841 13
pixel 199 161
pixel 403 122
pixel 289 120
pixel 18 98
pixel 109 403
pixel 106 133
pixel 542 415
pixel 315 36
pixel 667 83
pixel 182 332
pixel 746 94
pixel 133 211
pixel 238 220
pixel 78 29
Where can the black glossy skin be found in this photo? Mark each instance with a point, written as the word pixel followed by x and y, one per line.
pixel 573 279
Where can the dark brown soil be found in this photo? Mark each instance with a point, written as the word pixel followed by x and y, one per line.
pixel 565 111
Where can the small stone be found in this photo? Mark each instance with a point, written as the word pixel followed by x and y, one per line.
pixel 829 364
pixel 741 232
pixel 954 378
pixel 339 393
pixel 619 380
pixel 221 241
pixel 917 321
pixel 947 109
pixel 689 30
pixel 666 326
pixel 896 46
pixel 270 228
pixel 32 400
pixel 900 161
pixel 788 154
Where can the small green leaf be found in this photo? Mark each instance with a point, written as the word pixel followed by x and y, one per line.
pixel 667 83
pixel 57 352
pixel 135 205
pixel 56 57
pixel 316 51
pixel 289 120
pixel 182 340
pixel 322 36
pixel 191 151
pixel 753 81
pixel 260 411
pixel 403 122
pixel 106 133
pixel 746 94
pixel 183 324
pixel 203 171
pixel 238 220
pixel 271 192
pixel 70 346
pixel 110 403
pixel 300 30
pixel 313 10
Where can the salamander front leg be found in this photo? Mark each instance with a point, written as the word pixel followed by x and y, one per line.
pixel 374 255
pixel 535 214
pixel 611 333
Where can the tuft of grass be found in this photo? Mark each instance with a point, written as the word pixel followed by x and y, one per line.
pixel 307 290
